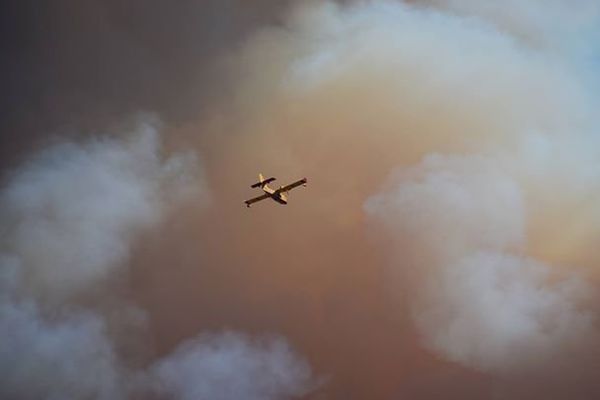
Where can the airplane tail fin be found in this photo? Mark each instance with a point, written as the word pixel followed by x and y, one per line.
pixel 262 181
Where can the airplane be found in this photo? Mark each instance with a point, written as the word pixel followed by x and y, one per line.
pixel 279 195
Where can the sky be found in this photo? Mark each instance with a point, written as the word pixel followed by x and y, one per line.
pixel 445 246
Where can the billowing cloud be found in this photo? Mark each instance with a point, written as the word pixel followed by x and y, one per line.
pixel 459 229
pixel 462 144
pixel 446 242
pixel 231 366
pixel 70 218
pixel 67 357
pixel 71 213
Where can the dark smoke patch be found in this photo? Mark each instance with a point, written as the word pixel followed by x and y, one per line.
pixel 72 67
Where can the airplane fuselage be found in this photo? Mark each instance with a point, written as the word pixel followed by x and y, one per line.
pixel 275 195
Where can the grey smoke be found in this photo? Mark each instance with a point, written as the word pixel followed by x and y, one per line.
pixel 47 358
pixel 71 213
pixel 231 366
pixel 70 217
pixel 485 113
pixel 485 110
pixel 459 227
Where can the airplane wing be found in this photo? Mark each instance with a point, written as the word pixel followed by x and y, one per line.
pixel 292 185
pixel 254 200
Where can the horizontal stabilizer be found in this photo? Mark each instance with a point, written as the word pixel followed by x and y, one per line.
pixel 262 183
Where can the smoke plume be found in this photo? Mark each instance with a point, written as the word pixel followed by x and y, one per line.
pixel 70 217
pixel 231 366
pixel 445 244
pixel 463 144
pixel 477 296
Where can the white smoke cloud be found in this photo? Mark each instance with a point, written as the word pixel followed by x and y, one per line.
pixel 459 224
pixel 549 25
pixel 470 193
pixel 501 312
pixel 64 358
pixel 492 230
pixel 469 228
pixel 69 219
pixel 491 106
pixel 231 366
pixel 433 81
pixel 70 214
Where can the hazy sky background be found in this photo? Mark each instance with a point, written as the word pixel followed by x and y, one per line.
pixel 71 64
pixel 445 245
